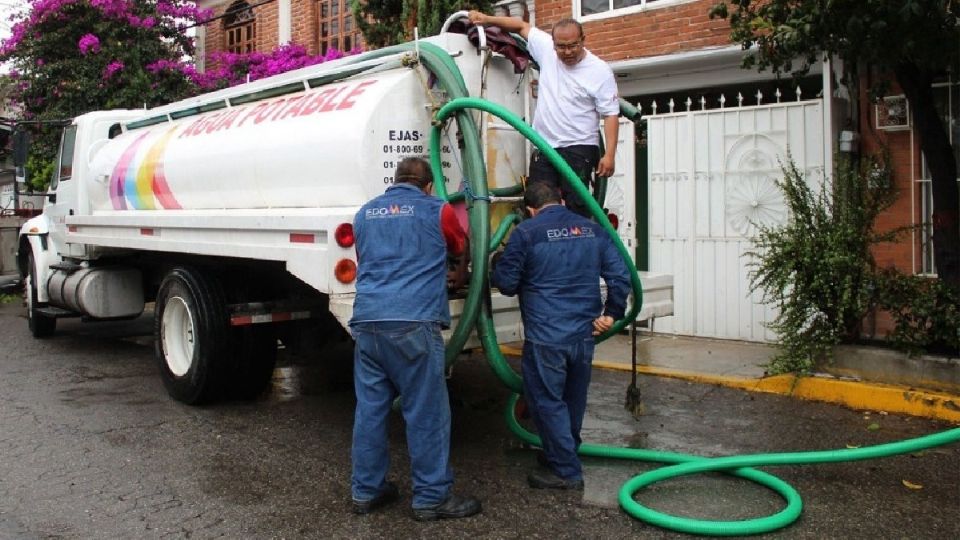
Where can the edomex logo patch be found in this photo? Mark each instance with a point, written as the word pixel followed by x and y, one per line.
pixel 389 211
pixel 569 233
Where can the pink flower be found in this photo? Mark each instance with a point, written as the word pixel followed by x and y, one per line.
pixel 89 43
pixel 227 69
pixel 111 69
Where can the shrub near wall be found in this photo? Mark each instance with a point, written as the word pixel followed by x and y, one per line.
pixel 925 311
pixel 818 268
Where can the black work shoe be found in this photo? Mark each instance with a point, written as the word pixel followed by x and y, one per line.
pixel 454 507
pixel 389 494
pixel 548 480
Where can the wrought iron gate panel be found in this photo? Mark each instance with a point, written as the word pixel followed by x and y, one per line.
pixel 712 179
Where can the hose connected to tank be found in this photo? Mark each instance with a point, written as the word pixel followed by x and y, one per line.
pixel 477 311
pixel 740 466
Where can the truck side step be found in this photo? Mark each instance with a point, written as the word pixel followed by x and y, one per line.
pixel 55 312
pixel 66 267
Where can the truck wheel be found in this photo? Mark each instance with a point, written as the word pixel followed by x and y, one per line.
pixel 254 357
pixel 41 326
pixel 190 333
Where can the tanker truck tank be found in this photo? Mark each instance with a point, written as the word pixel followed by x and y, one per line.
pixel 333 146
pixel 232 210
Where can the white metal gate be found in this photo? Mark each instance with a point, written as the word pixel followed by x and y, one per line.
pixel 712 177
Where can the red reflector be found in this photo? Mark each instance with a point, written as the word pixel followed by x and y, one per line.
pixel 72 228
pixel 241 320
pixel 614 220
pixel 344 235
pixel 301 238
pixel 146 232
pixel 345 271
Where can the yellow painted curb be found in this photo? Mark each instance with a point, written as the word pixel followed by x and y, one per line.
pixel 855 395
pixel 511 351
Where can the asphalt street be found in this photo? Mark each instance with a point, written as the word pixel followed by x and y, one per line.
pixel 92 447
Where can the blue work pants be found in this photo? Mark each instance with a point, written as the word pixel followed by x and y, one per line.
pixel 555 382
pixel 405 358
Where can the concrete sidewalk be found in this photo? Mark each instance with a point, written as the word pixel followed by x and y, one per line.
pixel 868 378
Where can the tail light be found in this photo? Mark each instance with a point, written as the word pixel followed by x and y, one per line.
pixel 345 271
pixel 344 235
pixel 614 220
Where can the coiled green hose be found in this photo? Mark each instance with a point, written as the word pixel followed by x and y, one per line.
pixel 475 310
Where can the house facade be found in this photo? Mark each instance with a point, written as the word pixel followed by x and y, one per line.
pixel 263 25
pixel 710 148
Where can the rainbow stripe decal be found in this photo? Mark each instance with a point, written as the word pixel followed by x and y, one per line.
pixel 140 180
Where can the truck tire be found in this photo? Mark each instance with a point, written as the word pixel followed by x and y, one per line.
pixel 41 326
pixel 254 357
pixel 191 335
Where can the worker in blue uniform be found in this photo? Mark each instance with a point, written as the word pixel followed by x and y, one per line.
pixel 554 261
pixel 403 238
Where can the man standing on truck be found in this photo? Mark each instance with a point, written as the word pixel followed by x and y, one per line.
pixel 403 238
pixel 576 89
pixel 554 261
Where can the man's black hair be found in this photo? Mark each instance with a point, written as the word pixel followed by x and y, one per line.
pixel 413 170
pixel 539 194
pixel 567 22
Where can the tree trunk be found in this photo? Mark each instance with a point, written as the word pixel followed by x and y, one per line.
pixel 942 164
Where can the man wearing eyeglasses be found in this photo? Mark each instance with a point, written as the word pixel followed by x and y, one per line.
pixel 576 89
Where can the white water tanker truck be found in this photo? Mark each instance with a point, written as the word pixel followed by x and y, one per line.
pixel 232 211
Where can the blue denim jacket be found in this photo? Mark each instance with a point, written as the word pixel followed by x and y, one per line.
pixel 554 261
pixel 401 271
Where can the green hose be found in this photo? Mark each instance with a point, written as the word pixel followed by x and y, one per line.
pixel 737 465
pixel 566 172
pixel 486 329
pixel 475 310
pixel 711 528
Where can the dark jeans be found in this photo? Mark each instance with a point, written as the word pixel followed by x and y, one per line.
pixel 555 382
pixel 404 358
pixel 583 159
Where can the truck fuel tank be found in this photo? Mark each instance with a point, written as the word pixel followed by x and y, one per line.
pixel 102 293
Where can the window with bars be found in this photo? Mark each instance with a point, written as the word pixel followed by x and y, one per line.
pixel 337 28
pixel 240 28
pixel 947 99
pixel 587 8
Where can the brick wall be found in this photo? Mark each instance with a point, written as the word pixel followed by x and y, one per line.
pixel 267 26
pixel 905 164
pixel 303 21
pixel 303 26
pixel 904 152
pixel 653 32
pixel 213 34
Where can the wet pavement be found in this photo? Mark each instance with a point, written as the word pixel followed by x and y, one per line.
pixel 92 447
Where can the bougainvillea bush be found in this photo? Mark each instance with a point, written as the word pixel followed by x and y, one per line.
pixel 69 57
pixel 230 69
pixel 73 56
